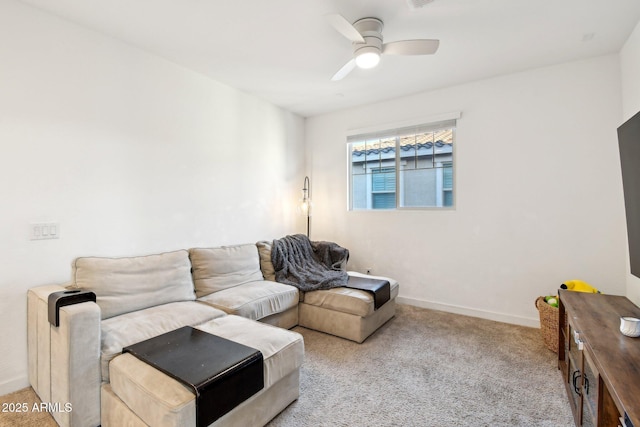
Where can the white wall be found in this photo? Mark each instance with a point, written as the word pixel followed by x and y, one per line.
pixel 539 196
pixel 630 70
pixel 131 154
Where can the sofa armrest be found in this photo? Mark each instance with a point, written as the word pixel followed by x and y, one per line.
pixel 38 339
pixel 64 361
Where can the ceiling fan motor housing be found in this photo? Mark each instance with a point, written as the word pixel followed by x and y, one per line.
pixel 371 31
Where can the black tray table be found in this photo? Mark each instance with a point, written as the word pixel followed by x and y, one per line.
pixel 222 373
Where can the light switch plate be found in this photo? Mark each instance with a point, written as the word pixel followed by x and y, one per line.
pixel 44 231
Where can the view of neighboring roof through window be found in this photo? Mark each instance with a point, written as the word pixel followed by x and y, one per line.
pixel 411 167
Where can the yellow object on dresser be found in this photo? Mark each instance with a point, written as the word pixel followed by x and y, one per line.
pixel 579 286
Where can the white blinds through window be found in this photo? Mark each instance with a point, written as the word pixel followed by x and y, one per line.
pixel 402 131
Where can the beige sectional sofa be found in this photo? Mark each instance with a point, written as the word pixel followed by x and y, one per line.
pixel 228 291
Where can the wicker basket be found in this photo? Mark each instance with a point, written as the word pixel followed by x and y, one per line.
pixel 548 324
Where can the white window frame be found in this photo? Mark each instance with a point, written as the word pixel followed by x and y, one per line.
pixel 414 126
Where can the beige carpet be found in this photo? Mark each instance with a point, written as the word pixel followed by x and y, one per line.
pixel 423 368
pixel 429 368
pixel 12 406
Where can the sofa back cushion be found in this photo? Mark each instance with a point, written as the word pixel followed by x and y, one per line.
pixel 128 284
pixel 216 269
pixel 264 249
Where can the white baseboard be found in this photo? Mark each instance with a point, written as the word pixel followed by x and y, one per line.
pixel 467 311
pixel 13 384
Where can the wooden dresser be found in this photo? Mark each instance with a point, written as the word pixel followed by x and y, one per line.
pixel 600 366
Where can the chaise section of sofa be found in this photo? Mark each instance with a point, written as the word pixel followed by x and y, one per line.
pixel 142 395
pixel 345 312
pixel 341 311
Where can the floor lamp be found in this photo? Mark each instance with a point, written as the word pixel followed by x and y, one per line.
pixel 305 204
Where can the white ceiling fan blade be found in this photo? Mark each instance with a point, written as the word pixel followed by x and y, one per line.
pixel 344 27
pixel 346 69
pixel 411 47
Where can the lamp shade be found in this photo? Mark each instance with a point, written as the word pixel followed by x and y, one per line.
pixel 304 207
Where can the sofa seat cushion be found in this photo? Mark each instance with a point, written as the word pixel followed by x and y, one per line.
pixel 131 328
pixel 160 400
pixel 216 269
pixel 282 350
pixel 254 300
pixel 345 300
pixel 123 285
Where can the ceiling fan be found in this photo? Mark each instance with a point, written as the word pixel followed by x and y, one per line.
pixel 366 37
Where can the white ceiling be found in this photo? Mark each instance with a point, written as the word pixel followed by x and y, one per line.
pixel 285 52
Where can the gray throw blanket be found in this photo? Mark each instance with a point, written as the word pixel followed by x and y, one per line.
pixel 309 266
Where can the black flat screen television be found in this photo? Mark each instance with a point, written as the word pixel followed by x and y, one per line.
pixel 629 144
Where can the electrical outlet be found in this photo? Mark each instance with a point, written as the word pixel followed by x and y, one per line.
pixel 44 231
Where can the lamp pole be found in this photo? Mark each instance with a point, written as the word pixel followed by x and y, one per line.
pixel 306 202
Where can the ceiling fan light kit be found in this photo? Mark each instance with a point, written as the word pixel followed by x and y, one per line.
pixel 366 37
pixel 367 58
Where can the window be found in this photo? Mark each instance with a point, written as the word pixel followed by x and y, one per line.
pixel 410 167
pixel 383 188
